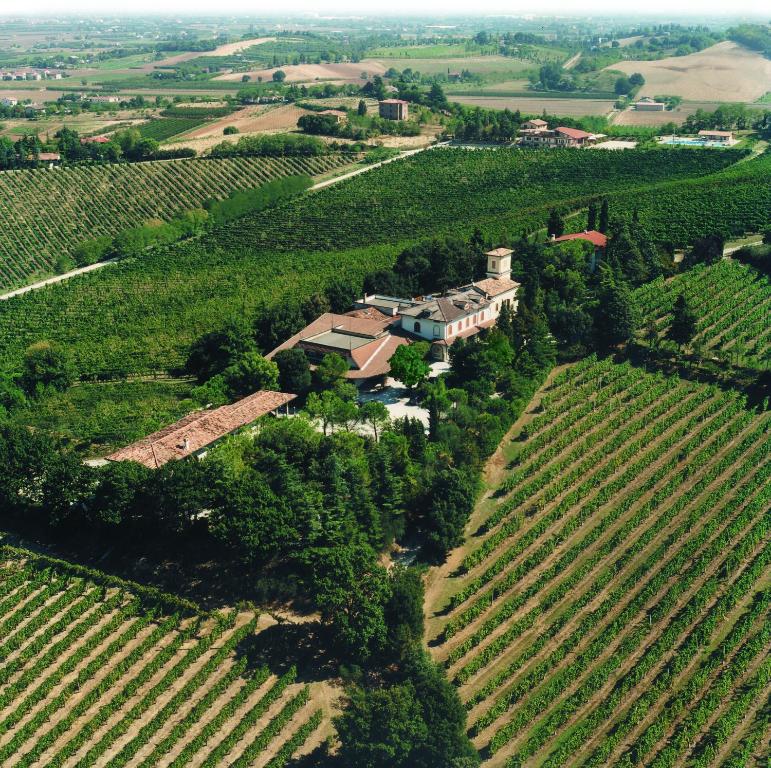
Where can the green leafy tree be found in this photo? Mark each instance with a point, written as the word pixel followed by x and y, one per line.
pixel 279 76
pixel 408 363
pixel 331 370
pixel 616 318
pixel 453 495
pixel 375 415
pixel 294 373
pixel 622 86
pixel 213 352
pixel 684 322
pixel 47 365
pixel 604 216
pixel 361 110
pixel 250 373
pixel 351 590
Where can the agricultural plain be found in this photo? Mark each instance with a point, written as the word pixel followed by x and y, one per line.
pixel 93 674
pixel 611 604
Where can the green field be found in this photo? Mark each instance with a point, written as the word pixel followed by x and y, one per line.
pixel 96 417
pixel 611 606
pixel 48 213
pixel 96 673
pixel 166 127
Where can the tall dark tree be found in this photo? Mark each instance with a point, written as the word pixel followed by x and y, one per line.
pixel 591 219
pixel 555 227
pixel 616 318
pixel 603 227
pixel 684 321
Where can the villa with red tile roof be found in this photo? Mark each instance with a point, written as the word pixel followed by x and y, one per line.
pixel 559 137
pixel 597 239
pixel 457 313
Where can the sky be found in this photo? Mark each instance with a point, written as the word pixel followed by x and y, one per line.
pixel 424 7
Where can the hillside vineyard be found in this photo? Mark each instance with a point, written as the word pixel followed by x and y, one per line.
pixel 586 627
pixel 150 310
pixel 47 213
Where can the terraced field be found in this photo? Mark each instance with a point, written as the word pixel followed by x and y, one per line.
pixel 733 302
pixel 90 677
pixel 47 213
pixel 611 606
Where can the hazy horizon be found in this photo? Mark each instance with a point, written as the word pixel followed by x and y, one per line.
pixel 686 8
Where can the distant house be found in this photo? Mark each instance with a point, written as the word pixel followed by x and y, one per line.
pixel 597 239
pixel 95 140
pixel 726 137
pixel 534 125
pixel 9 102
pixel 649 105
pixel 365 338
pixel 394 109
pixel 196 433
pixel 104 99
pixel 338 114
pixel 559 137
pixel 459 312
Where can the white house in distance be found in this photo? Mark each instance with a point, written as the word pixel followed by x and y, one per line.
pixel 460 312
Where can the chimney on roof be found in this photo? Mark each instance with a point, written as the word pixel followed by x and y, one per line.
pixel 552 237
pixel 586 231
pixel 186 444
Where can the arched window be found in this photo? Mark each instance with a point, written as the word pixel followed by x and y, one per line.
pixel 417 327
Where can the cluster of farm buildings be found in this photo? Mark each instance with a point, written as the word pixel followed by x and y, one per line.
pixel 34 74
pixel 366 337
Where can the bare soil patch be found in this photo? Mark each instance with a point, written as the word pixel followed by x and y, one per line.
pixel 722 72
pixel 535 105
pixel 300 73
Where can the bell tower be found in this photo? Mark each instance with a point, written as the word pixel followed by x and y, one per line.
pixel 499 263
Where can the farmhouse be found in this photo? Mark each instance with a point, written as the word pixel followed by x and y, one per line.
pixel 196 432
pixel 597 239
pixel 534 125
pixel 9 102
pixel 364 337
pixel 725 136
pixel 104 99
pixel 95 140
pixel 559 137
pixel 649 105
pixel 394 109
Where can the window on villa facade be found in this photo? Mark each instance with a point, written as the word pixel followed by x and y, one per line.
pixel 416 328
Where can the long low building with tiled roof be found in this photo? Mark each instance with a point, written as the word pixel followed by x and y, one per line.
pixel 196 432
pixel 365 338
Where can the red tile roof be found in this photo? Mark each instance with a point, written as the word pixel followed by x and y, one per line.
pixel 573 133
pixel 197 430
pixel 494 286
pixel 592 236
pixel 95 140
pixel 716 133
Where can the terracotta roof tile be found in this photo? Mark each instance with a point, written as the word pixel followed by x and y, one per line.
pixel 592 236
pixel 197 430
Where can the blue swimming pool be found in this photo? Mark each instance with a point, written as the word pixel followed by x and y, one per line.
pixel 693 142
